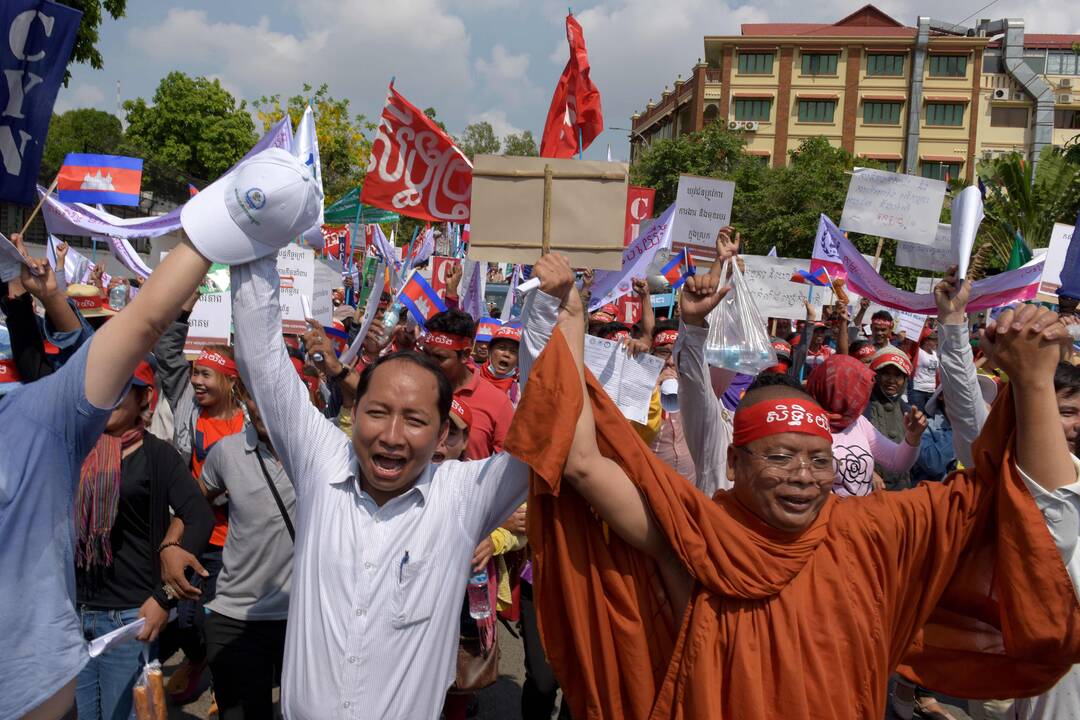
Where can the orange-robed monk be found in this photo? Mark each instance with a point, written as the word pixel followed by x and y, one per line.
pixel 778 599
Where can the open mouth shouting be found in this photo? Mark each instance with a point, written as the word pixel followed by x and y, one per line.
pixel 387 467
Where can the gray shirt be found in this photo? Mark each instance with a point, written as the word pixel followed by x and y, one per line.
pixel 705 420
pixel 257 560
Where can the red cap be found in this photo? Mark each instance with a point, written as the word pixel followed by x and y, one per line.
pixel 892 357
pixel 144 375
pixel 507 332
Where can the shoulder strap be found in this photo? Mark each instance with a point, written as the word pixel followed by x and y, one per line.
pixel 277 496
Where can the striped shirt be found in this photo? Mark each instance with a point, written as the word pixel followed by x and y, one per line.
pixel 376 597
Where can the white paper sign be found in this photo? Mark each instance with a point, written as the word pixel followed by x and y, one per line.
pixel 924 285
pixel 893 205
pixel 11 260
pixel 967 215
pixel 937 256
pixel 629 382
pixel 296 267
pixel 910 324
pixel 702 208
pixel 210 321
pixel 769 280
pixel 1060 237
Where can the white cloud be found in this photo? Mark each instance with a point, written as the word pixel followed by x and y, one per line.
pixel 499 123
pixel 80 95
pixel 504 66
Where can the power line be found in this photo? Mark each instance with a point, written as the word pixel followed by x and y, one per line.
pixel 992 2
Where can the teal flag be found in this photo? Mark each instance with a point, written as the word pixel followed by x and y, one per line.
pixel 344 211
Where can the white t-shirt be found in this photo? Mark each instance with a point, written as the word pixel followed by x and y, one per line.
pixel 925 379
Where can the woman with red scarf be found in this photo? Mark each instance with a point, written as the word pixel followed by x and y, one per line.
pixel 501 368
pixel 842 386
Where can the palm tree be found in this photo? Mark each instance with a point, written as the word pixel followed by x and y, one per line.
pixel 1019 201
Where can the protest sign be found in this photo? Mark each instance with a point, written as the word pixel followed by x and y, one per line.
pixel 967 215
pixel 210 321
pixel 910 324
pixel 769 281
pixel 937 256
pixel 609 286
pixel 296 267
pixel 37 40
pixel 440 268
pixel 924 285
pixel 629 309
pixel 703 207
pixel 662 300
pixel 580 205
pixel 1060 237
pixel 639 207
pixel 893 205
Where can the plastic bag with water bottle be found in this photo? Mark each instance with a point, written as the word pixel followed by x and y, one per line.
pixel 737 338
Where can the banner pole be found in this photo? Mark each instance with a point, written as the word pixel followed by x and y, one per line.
pixel 545 237
pixel 40 203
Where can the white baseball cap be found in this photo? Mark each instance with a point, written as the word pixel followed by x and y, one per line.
pixel 255 210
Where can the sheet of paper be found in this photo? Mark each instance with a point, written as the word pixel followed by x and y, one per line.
pixel 369 315
pixel 769 281
pixel 938 256
pixel 120 635
pixel 703 207
pixel 629 382
pixel 10 260
pixel 1060 237
pixel 893 205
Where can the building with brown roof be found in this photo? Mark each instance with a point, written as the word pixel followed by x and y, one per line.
pixel 929 99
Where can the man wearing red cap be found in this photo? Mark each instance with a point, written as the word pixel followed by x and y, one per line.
pixel 690 607
pixel 501 368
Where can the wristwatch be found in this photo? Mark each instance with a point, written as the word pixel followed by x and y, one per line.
pixel 341 375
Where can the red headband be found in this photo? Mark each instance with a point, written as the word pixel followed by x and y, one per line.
pixel 665 337
pixel 217 361
pixel 865 351
pixel 780 415
pixel 446 341
pixel 618 335
pixel 461 411
pixel 881 324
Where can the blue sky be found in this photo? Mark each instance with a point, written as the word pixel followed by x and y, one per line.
pixel 495 60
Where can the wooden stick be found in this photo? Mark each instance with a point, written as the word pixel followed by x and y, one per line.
pixel 40 203
pixel 877 253
pixel 545 239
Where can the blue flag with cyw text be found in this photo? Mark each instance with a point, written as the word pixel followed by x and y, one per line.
pixel 36 37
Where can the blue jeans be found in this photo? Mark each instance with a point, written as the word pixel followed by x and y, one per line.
pixel 104 687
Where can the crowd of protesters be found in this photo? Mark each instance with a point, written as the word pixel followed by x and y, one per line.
pixel 285 519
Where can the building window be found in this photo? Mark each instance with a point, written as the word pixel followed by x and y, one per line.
pixel 881 113
pixel 753 109
pixel 1062 62
pixel 948 65
pixel 817 110
pixel 1010 117
pixel 940 170
pixel 819 63
pixel 755 63
pixel 947 114
pixel 885 65
pixel 1067 119
pixel 762 160
pixel 890 165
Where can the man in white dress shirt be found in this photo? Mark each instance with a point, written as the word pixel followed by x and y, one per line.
pixel 384 538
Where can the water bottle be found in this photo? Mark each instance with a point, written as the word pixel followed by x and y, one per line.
pixel 479 604
pixel 118 297
pixel 391 317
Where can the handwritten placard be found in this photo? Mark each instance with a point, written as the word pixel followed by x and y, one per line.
pixel 937 256
pixel 702 208
pixel 769 280
pixel 296 268
pixel 924 285
pixel 893 205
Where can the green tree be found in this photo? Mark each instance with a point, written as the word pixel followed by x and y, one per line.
pixel 194 130
pixel 86 39
pixel 430 112
pixel 1018 202
pixel 521 144
pixel 344 147
pixel 84 130
pixel 478 139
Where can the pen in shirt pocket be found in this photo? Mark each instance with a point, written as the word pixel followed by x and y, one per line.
pixel 401 567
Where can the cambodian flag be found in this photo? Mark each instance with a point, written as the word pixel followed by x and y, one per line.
pixel 486 329
pixel 339 337
pixel 679 268
pixel 819 277
pixel 420 299
pixel 192 190
pixel 105 179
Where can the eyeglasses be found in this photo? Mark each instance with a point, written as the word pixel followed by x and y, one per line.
pixel 820 466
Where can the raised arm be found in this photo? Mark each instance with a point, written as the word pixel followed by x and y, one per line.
pixel 1026 343
pixel 302 437
pixel 959 380
pixel 648 317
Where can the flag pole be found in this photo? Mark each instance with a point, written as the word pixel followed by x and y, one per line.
pixel 580 144
pixel 545 237
pixel 40 203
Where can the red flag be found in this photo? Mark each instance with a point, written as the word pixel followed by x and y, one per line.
pixel 576 104
pixel 415 169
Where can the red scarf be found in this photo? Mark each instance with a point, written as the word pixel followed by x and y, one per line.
pixel 98 497
pixel 842 386
pixel 503 383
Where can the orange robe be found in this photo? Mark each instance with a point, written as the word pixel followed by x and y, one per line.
pixel 957 583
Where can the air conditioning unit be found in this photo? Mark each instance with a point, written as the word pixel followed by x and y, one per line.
pixel 1018 96
pixel 1001 94
pixel 1064 99
pixel 1065 83
pixel 735 125
pixel 751 125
